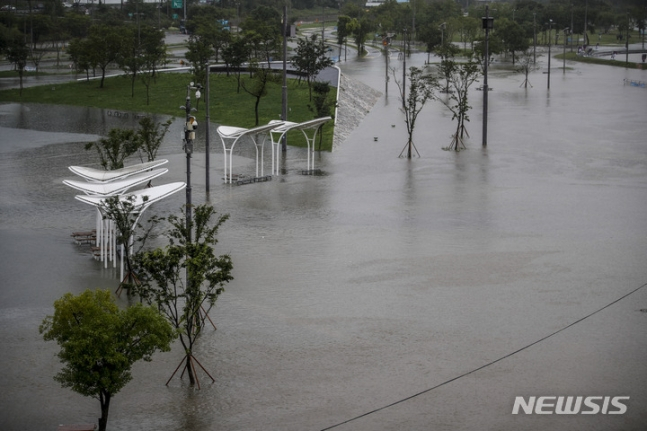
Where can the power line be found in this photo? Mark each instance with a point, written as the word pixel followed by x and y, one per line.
pixel 486 365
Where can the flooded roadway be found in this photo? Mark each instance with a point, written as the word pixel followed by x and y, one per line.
pixel 386 294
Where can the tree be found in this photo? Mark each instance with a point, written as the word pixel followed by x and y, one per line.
pixel 198 54
pixel 343 31
pixel 186 304
pixel 526 65
pixel 310 59
pixel 153 55
pixel 461 76
pixel 100 343
pixel 234 55
pixel 149 136
pixel 114 149
pixel 104 44
pixel 257 85
pixel 421 90
pixel 17 54
pixel 323 106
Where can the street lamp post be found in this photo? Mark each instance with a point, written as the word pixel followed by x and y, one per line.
pixel 534 38
pixel 284 88
pixel 550 27
pixel 488 24
pixel 206 129
pixel 190 125
pixel 564 53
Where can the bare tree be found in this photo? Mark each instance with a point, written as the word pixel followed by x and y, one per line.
pixel 421 90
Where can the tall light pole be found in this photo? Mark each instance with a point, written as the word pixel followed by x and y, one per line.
pixel 190 125
pixel 404 68
pixel 206 130
pixel 564 54
pixel 534 37
pixel 488 24
pixel 284 89
pixel 550 27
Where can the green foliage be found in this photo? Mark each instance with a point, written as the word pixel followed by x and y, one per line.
pixel 310 59
pixel 421 90
pixel 191 250
pixel 149 136
pixel 100 343
pixel 256 86
pixel 460 77
pixel 114 149
pixel 226 105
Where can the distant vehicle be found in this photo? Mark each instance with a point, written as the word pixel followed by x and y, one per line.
pixel 7 7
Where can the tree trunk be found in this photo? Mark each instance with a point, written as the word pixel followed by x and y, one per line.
pixel 104 399
pixel 189 369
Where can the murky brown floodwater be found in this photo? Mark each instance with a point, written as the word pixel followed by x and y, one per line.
pixel 375 282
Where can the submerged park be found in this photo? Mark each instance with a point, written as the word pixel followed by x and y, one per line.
pixel 381 293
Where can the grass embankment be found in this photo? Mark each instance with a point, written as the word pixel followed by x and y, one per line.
pixel 571 56
pixel 226 106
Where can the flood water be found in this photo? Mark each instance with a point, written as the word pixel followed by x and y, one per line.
pixel 386 294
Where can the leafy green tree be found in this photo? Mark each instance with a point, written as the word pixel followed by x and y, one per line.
pixel 100 343
pixel 198 54
pixel 257 85
pixel 104 45
pixel 234 55
pixel 17 53
pixel 186 305
pixel 310 59
pixel 421 90
pixel 80 54
pixel 149 136
pixel 114 149
pixel 513 37
pixel 461 76
pixel 263 29
pixel 343 31
pixel 360 29
pixel 323 105
pixel 153 55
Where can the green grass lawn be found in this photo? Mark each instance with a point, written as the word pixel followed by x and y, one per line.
pixel 572 56
pixel 226 106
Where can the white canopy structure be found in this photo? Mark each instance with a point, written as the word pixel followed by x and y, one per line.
pixel 231 135
pixel 141 200
pixel 116 187
pixel 283 127
pixel 103 176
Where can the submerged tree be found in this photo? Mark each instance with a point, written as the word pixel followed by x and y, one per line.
pixel 421 90
pixel 460 77
pixel 526 65
pixel 100 343
pixel 186 302
pixel 114 149
pixel 149 136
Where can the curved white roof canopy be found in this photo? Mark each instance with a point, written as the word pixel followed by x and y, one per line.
pixel 283 127
pixel 140 203
pixel 116 187
pixel 234 134
pixel 142 200
pixel 102 176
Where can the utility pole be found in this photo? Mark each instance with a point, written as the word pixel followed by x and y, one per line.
pixel 488 24
pixel 550 26
pixel 206 130
pixel 564 53
pixel 284 88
